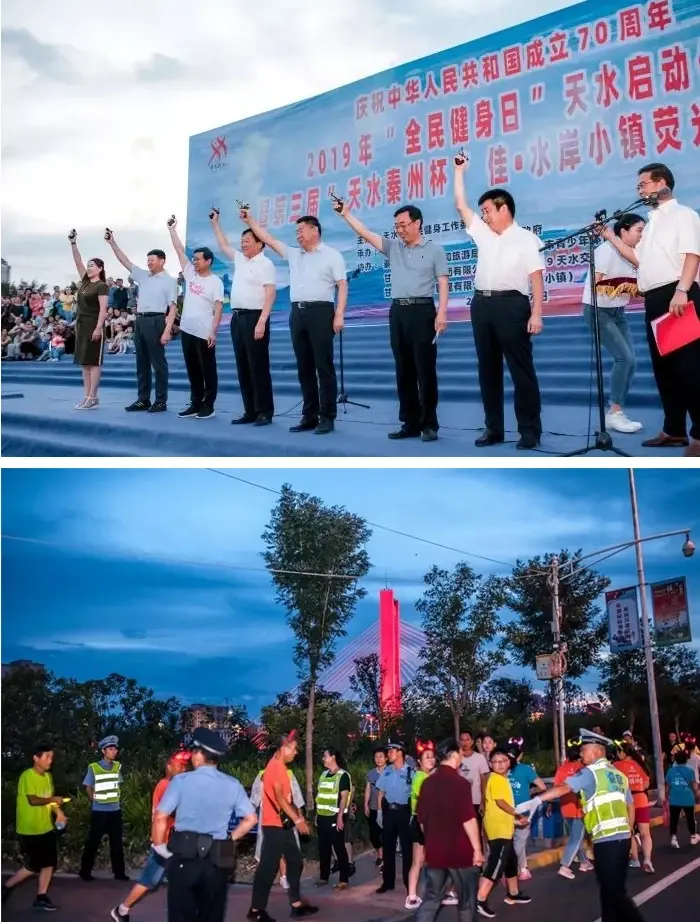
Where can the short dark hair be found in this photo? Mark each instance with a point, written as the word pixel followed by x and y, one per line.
pixel 41 748
pixel 312 220
pixel 249 230
pixel 206 254
pixel 681 757
pixel 380 748
pixel 499 197
pixel 499 751
pixel 627 222
pixel 415 214
pixel 468 732
pixel 658 172
pixel 448 748
pixel 335 754
pixel 159 253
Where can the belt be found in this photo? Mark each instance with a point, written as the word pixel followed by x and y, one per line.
pixel 191 845
pixel 510 293
pixel 303 304
pixel 150 314
pixel 246 310
pixel 406 301
pixel 397 806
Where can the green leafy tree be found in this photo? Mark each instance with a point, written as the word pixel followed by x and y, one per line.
pixel 513 698
pixel 459 615
pixel 583 624
pixel 305 536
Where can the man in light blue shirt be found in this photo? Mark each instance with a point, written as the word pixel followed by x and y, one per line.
pixel 316 274
pixel 200 852
pixel 102 782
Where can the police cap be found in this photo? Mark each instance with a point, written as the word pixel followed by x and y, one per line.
pixel 396 744
pixel 109 741
pixel 209 741
pixel 588 736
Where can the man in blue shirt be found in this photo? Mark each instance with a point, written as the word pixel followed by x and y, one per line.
pixel 682 791
pixel 393 804
pixel 102 783
pixel 200 853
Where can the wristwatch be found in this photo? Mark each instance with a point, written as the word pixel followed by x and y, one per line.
pixel 682 290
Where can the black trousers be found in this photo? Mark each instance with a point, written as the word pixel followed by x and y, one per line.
pixel 375 830
pixel 252 363
pixel 464 881
pixel 197 890
pixel 277 843
pixel 330 839
pixel 150 357
pixel 396 828
pixel 312 338
pixel 678 373
pixel 499 325
pixel 200 362
pixel 675 815
pixel 412 331
pixel 611 860
pixel 104 823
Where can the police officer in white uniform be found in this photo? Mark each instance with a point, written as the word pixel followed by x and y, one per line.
pixel 200 853
pixel 503 320
pixel 316 273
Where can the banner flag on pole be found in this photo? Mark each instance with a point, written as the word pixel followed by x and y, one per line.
pixel 624 632
pixel 669 600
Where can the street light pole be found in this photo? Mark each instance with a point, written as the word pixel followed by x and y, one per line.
pixel 559 728
pixel 648 655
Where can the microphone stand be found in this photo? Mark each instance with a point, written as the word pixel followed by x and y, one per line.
pixel 603 439
pixel 343 397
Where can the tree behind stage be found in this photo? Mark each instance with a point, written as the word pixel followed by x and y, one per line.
pixel 304 536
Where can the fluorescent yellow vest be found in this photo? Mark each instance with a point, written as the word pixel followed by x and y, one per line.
pixel 106 783
pixel 605 813
pixel 328 796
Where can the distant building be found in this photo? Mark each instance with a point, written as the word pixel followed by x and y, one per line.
pixel 6 272
pixel 16 665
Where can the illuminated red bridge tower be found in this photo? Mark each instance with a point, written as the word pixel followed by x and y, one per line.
pixel 390 650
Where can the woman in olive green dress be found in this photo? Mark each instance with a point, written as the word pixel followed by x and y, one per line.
pixel 91 312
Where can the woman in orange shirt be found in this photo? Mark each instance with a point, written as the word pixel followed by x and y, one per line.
pixel 629 762
pixel 573 815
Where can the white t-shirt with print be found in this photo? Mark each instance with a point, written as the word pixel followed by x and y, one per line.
pixel 613 266
pixel 201 294
pixel 472 768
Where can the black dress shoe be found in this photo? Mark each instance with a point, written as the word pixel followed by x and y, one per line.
pixel 305 425
pixel 138 406
pixel 324 426
pixel 259 915
pixel 242 420
pixel 428 435
pixel 383 889
pixel 263 420
pixel 528 442
pixel 160 406
pixel 488 438
pixel 666 441
pixel 405 432
pixel 299 912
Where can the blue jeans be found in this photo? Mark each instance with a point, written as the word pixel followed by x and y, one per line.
pixel 615 336
pixel 574 843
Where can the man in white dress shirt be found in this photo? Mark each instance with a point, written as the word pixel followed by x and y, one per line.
pixel 667 257
pixel 253 293
pixel 316 273
pixel 503 320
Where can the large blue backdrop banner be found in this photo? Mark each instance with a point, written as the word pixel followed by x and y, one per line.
pixel 562 111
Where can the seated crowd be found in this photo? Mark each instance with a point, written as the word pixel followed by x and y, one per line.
pixel 40 326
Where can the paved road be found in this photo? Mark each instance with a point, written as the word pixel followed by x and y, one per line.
pixel 553 898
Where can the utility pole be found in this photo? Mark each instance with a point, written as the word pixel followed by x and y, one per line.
pixel 560 731
pixel 648 655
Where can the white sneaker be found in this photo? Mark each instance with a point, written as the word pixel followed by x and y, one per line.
pixel 566 872
pixel 451 899
pixel 620 422
pixel 635 863
pixel 585 866
pixel 694 839
pixel 674 842
pixel 284 883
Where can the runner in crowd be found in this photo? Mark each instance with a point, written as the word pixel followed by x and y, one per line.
pixel 631 763
pixel 426 766
pixel 371 795
pixel 682 792
pixel 523 778
pixel 256 800
pixel 572 812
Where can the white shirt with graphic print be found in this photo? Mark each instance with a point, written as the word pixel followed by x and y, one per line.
pixel 201 294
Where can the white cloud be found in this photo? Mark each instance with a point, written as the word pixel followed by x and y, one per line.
pixel 99 101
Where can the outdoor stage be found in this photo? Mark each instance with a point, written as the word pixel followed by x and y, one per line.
pixel 42 421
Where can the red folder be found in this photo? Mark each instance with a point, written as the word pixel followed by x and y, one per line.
pixel 673 333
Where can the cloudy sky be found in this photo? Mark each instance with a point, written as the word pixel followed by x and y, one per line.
pixel 99 100
pixel 157 574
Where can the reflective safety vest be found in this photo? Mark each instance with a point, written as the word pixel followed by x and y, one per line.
pixel 605 813
pixel 106 783
pixel 328 796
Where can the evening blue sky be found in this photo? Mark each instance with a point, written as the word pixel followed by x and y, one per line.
pixel 157 574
